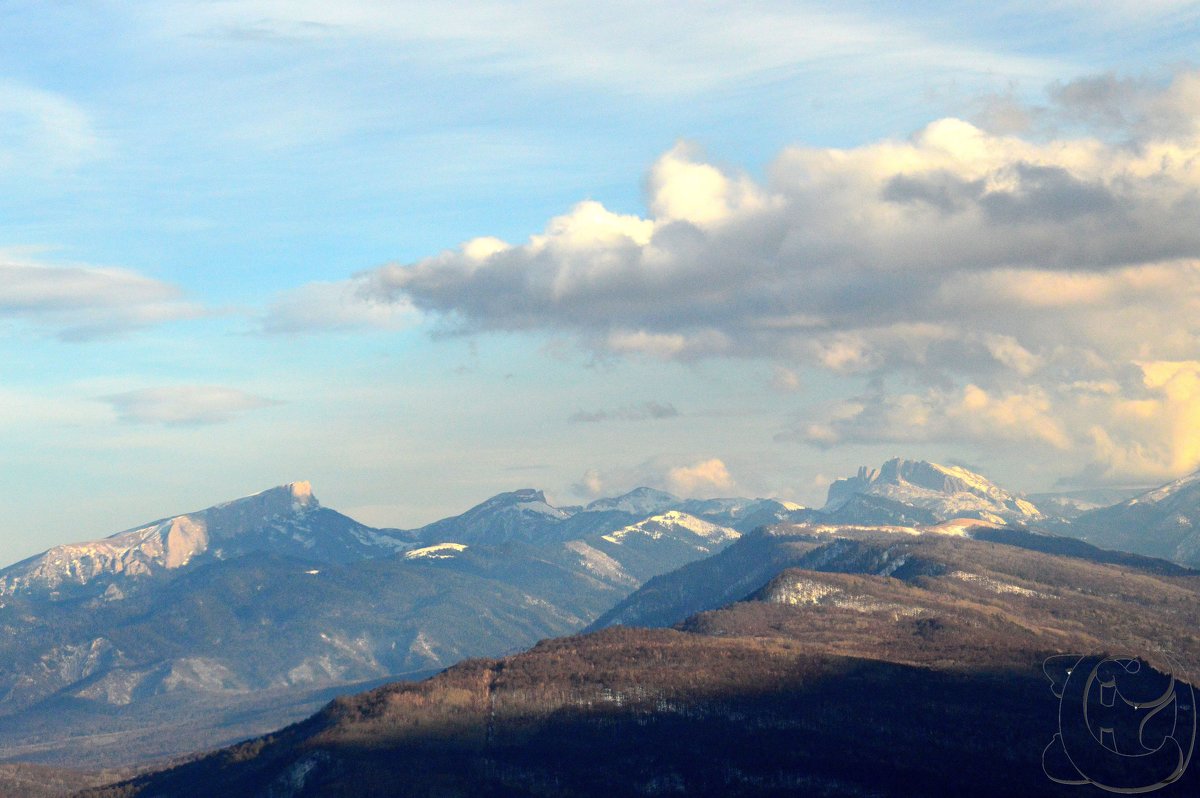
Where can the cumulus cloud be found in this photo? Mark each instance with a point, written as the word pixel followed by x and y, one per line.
pixel 82 301
pixel 184 405
pixel 642 412
pixel 701 478
pixel 994 272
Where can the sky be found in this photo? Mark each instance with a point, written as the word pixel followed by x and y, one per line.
pixel 420 254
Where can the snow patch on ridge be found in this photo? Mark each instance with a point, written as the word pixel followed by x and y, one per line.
pixel 676 524
pixel 995 585
pixel 600 564
pixel 438 551
pixel 802 591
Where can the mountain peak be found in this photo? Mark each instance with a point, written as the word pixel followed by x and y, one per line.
pixel 289 497
pixel 247 514
pixel 948 491
pixel 170 543
pixel 301 491
pixel 512 498
pixel 637 501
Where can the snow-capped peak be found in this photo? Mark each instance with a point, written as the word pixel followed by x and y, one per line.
pixel 639 501
pixel 674 524
pixel 1165 492
pixel 528 500
pixel 293 497
pixel 948 491
pixel 278 516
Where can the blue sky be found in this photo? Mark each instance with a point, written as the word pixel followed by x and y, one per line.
pixel 234 250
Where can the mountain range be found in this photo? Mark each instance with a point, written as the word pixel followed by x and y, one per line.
pixel 224 622
pixel 216 625
pixel 1163 522
pixel 863 662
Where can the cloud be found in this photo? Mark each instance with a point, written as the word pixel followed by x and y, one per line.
pixel 333 306
pixel 701 478
pixel 1151 434
pixel 646 410
pixel 991 273
pixel 1138 428
pixel 970 414
pixel 785 380
pixel 618 46
pixel 43 131
pixel 83 301
pixel 184 405
pixel 832 263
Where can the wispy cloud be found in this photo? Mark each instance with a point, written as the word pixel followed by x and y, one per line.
pixel 185 405
pixel 333 306
pixel 642 412
pixel 657 49
pixel 42 131
pixel 79 301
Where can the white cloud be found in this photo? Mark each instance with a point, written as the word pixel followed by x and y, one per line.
pixel 43 131
pixel 1152 435
pixel 996 272
pixel 704 477
pixel 83 301
pixel 184 405
pixel 332 306
pixel 654 50
pixel 700 478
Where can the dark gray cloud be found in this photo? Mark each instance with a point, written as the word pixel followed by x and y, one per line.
pixel 939 189
pixel 1050 194
pixel 1105 99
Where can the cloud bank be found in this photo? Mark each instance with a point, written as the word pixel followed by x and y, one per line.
pixel 1019 288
